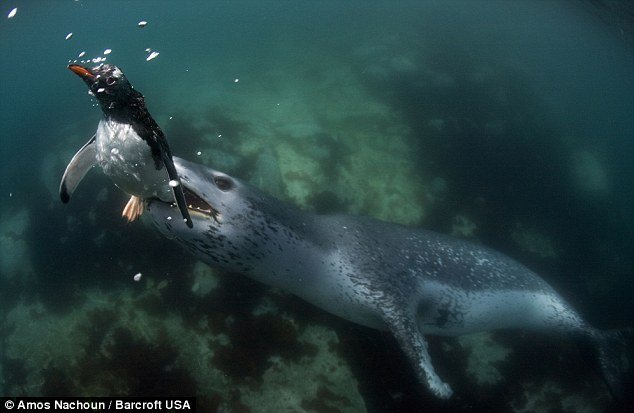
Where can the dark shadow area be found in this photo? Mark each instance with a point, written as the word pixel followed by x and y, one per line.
pixel 486 132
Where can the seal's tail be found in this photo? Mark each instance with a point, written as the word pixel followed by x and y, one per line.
pixel 614 354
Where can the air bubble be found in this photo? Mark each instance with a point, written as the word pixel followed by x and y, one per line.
pixel 69 35
pixel 152 55
pixel 137 277
pixel 174 183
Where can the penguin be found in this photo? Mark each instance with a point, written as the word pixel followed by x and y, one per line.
pixel 129 145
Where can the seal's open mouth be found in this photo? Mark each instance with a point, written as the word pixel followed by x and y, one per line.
pixel 197 204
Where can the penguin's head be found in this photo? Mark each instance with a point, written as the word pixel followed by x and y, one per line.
pixel 109 85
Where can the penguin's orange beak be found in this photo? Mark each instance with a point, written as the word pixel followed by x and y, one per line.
pixel 82 72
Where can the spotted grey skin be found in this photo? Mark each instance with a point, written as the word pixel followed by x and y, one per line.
pixel 129 145
pixel 408 281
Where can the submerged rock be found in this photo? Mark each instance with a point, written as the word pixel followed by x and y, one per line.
pixel 533 241
pixel 129 343
pixel 286 386
pixel 205 279
pixel 267 175
pixel 589 173
pixel 462 226
pixel 550 397
pixel 15 255
pixel 484 357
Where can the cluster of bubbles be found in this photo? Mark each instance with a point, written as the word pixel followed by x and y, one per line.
pixel 100 59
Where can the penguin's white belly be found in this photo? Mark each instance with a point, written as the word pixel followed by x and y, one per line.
pixel 127 160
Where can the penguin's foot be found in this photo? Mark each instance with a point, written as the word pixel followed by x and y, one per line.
pixel 133 209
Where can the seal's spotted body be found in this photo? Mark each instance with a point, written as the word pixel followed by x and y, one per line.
pixel 386 276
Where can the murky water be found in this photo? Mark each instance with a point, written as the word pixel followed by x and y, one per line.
pixel 508 123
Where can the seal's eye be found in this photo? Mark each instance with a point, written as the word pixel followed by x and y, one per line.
pixel 223 183
pixel 110 81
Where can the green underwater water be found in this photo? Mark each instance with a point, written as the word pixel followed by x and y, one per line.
pixel 506 123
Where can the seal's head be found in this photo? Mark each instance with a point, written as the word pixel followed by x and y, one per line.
pixel 203 187
pixel 218 205
pixel 112 89
pixel 236 226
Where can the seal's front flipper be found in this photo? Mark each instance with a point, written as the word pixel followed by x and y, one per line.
pixel 81 163
pixel 613 350
pixel 176 188
pixel 404 328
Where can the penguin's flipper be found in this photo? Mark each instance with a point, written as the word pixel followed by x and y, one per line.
pixel 84 159
pixel 166 157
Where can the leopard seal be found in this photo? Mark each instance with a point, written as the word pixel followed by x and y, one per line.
pixel 411 282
